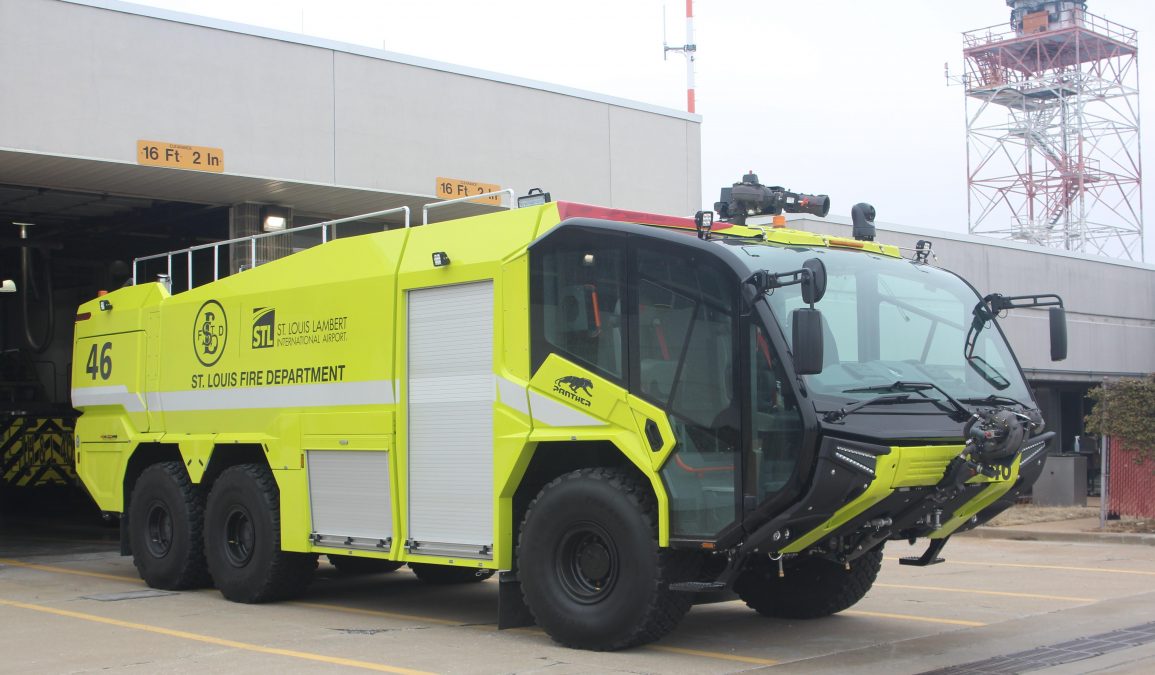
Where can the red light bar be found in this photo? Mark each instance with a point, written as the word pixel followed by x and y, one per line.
pixel 84 316
pixel 575 210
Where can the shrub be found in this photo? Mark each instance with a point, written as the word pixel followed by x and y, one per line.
pixel 1125 409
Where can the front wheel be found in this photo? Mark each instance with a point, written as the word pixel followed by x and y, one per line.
pixel 811 588
pixel 591 570
pixel 243 539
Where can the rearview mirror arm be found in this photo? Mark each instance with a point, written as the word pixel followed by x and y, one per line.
pixel 765 281
pixel 990 306
pixel 998 302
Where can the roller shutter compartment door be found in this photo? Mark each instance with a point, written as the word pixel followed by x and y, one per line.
pixel 450 413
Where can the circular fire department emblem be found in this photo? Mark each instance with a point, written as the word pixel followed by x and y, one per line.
pixel 210 332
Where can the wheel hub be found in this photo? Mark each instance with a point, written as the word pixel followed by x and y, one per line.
pixel 593 560
pixel 160 536
pixel 240 537
pixel 587 563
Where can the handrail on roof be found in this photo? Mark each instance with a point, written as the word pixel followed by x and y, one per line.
pixel 252 239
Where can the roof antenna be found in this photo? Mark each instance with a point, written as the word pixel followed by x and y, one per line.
pixel 689 50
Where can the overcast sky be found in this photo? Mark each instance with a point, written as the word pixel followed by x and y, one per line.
pixel 842 97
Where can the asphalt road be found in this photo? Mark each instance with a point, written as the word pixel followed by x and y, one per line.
pixel 70 604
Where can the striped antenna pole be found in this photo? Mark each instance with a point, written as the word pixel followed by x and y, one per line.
pixel 688 50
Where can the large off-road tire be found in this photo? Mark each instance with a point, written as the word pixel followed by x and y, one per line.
pixel 356 565
pixel 165 525
pixel 444 574
pixel 243 539
pixel 590 567
pixel 812 587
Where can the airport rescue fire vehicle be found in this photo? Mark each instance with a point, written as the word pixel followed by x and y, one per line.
pixel 624 413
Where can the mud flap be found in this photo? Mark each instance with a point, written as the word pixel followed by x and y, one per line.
pixel 512 611
pixel 125 542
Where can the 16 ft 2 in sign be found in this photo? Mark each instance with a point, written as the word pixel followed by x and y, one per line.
pixel 177 156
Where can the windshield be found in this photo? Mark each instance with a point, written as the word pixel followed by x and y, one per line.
pixel 891 320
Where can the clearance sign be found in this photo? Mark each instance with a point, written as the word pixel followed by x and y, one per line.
pixel 454 188
pixel 176 156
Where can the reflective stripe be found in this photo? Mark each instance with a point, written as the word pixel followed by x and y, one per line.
pixel 379 392
pixel 116 394
pixel 512 394
pixel 557 414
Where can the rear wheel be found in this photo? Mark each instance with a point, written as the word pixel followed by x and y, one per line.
pixel 352 565
pixel 243 539
pixel 591 570
pixel 811 587
pixel 444 574
pixel 165 525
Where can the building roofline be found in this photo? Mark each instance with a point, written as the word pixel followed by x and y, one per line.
pixel 974 239
pixel 380 54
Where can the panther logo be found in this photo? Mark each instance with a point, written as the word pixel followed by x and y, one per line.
pixel 574 383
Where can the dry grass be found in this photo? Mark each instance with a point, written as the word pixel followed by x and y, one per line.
pixel 1145 526
pixel 1028 514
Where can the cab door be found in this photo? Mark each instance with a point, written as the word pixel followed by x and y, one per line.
pixel 685 356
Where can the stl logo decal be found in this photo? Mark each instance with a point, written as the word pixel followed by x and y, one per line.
pixel 210 333
pixel 264 319
pixel 568 387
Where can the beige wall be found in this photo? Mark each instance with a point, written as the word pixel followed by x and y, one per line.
pixel 88 82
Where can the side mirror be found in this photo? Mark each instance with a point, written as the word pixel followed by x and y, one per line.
pixel 813 286
pixel 1058 333
pixel 807 340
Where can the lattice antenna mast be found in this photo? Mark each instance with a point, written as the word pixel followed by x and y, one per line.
pixel 689 50
pixel 1052 109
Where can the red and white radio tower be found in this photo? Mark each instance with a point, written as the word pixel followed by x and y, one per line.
pixel 689 50
pixel 1052 109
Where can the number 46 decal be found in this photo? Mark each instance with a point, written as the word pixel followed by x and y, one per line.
pixel 103 366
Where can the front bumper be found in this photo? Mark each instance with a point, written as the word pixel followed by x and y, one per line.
pixel 864 494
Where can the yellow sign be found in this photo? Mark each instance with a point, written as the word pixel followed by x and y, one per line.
pixel 455 188
pixel 176 156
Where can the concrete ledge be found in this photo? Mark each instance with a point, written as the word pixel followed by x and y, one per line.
pixel 1021 533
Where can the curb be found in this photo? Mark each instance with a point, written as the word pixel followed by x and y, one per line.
pixel 1076 537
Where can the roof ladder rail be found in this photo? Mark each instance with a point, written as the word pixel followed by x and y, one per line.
pixel 252 242
pixel 507 191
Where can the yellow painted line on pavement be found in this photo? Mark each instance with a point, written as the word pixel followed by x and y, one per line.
pixel 714 655
pixel 220 642
pixel 1065 568
pixel 703 653
pixel 974 591
pixel 67 570
pixel 911 617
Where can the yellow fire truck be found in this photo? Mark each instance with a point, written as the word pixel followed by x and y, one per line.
pixel 624 413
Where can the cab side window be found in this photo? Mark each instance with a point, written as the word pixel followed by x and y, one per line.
pixel 685 363
pixel 685 335
pixel 579 290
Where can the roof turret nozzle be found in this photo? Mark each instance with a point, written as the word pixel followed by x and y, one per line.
pixel 751 198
